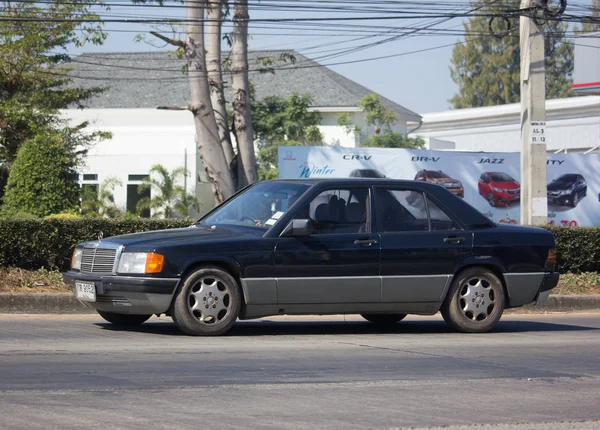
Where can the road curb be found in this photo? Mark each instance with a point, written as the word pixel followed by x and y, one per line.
pixel 59 303
pixel 66 303
pixel 566 304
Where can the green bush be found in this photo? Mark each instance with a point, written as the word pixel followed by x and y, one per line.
pixel 577 248
pixel 31 244
pixel 42 180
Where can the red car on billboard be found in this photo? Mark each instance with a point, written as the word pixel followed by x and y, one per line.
pixel 498 188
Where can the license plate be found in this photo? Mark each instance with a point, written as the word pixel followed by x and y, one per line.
pixel 85 291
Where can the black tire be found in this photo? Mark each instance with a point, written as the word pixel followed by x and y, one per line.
pixel 124 319
pixel 383 319
pixel 475 302
pixel 491 200
pixel 207 303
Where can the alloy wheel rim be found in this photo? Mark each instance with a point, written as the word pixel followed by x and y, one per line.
pixel 477 299
pixel 209 301
pixel 491 199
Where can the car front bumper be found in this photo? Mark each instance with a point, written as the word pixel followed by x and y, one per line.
pixel 507 198
pixel 126 294
pixel 560 200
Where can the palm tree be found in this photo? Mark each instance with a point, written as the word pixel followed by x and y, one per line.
pixel 101 202
pixel 171 199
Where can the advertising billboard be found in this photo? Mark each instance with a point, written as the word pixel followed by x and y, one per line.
pixel 488 181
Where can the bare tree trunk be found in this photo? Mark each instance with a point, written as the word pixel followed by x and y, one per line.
pixel 215 75
pixel 242 120
pixel 209 145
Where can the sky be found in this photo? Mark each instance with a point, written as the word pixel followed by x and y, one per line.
pixel 415 75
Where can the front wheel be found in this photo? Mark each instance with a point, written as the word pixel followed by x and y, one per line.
pixel 491 200
pixel 383 319
pixel 475 301
pixel 207 303
pixel 123 319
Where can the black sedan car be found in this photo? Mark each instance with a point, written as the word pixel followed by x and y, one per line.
pixel 321 247
pixel 567 190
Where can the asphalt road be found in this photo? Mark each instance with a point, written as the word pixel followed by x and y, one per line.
pixel 533 372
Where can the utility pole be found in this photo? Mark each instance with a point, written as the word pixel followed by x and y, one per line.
pixel 534 200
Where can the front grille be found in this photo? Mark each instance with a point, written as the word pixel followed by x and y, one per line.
pixel 98 260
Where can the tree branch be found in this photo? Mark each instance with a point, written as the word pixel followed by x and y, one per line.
pixel 174 108
pixel 174 42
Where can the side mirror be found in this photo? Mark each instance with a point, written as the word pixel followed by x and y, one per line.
pixel 297 227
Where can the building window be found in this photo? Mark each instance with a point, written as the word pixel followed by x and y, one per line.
pixel 90 177
pixel 134 195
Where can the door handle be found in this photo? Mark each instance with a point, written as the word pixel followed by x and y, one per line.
pixel 454 239
pixel 365 242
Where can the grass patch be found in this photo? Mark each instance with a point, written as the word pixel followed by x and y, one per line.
pixel 572 284
pixel 15 280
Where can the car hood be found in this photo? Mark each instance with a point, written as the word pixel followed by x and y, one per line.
pixel 173 236
pixel 443 180
pixel 507 185
pixel 559 185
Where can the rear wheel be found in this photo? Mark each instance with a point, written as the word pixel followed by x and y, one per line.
pixel 475 301
pixel 124 319
pixel 208 302
pixel 383 319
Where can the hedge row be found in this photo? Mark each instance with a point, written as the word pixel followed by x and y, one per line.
pixel 577 248
pixel 31 244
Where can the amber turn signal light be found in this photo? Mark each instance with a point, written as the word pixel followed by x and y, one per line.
pixel 154 262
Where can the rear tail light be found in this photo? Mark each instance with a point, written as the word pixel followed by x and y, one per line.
pixel 551 260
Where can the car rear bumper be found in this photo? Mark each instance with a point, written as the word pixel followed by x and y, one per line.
pixel 127 294
pixel 526 288
pixel 550 282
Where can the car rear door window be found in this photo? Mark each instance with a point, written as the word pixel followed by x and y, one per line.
pixel 409 210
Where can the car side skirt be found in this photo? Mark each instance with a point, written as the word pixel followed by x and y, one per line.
pixel 403 294
pixel 259 311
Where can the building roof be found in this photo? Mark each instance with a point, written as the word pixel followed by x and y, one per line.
pixel 572 107
pixel 151 79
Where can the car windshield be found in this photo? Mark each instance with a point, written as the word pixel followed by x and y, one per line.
pixel 260 206
pixel 567 178
pixel 436 175
pixel 501 177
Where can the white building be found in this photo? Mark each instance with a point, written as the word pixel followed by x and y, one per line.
pixel 572 125
pixel 143 136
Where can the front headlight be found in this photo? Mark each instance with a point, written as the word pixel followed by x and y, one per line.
pixel 76 258
pixel 140 262
pixel 499 190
